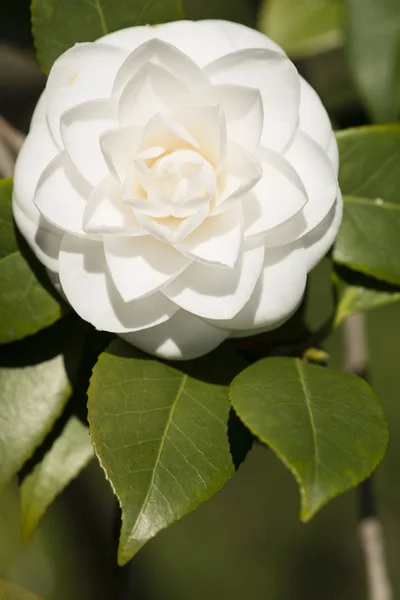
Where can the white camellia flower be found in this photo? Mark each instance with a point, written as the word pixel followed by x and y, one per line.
pixel 179 182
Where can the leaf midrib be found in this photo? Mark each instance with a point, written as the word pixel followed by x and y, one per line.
pixel 371 202
pixel 159 453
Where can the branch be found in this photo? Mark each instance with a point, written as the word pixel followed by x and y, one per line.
pixel 369 528
pixel 11 141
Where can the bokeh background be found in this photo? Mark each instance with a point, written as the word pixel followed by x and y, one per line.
pixel 247 542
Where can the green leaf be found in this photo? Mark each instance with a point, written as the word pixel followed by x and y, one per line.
pixel 57 25
pixel 68 456
pixel 368 239
pixel 161 434
pixel 373 28
pixel 303 28
pixel 326 426
pixel 34 388
pixel 358 293
pixel 25 304
pixel 10 591
pixel 240 11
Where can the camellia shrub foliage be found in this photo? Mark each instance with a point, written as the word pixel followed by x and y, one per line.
pixel 179 182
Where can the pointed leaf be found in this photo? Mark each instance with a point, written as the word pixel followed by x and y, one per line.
pixel 303 28
pixel 373 37
pixel 25 305
pixel 34 388
pixel 326 426
pixel 368 239
pixel 161 434
pixel 10 591
pixel 68 456
pixel 358 293
pixel 57 25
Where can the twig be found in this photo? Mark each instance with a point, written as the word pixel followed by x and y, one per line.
pixel 369 528
pixel 11 141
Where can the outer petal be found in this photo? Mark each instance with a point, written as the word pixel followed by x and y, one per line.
pixel 217 292
pixel 275 76
pixel 36 153
pixel 278 292
pixel 318 241
pixel 277 197
pixel 44 243
pixel 318 176
pixel 222 37
pixel 313 118
pixel 168 58
pixel 39 114
pixel 61 195
pixel 141 266
pixel 90 291
pixel 218 240
pixel 85 72
pixel 182 337
pixel 81 128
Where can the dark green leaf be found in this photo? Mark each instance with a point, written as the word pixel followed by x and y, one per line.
pixel 25 304
pixel 68 456
pixel 358 293
pixel 58 25
pixel 240 11
pixel 10 591
pixel 373 28
pixel 326 426
pixel 368 239
pixel 161 434
pixel 34 388
pixel 303 28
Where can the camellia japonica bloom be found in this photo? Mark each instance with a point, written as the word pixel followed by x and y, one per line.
pixel 179 182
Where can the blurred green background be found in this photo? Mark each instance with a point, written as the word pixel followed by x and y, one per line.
pixel 247 541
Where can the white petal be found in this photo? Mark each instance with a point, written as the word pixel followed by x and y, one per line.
pixel 313 118
pixel 84 72
pixel 168 58
pixel 242 172
pixel 44 243
pixel 141 266
pixel 318 176
pixel 275 76
pixel 208 126
pixel 218 240
pixel 277 197
pixel 81 128
pixel 39 114
pixel 129 38
pixel 91 293
pixel 153 90
pixel 333 153
pixel 170 229
pixel 243 111
pixel 242 37
pixel 164 131
pixel 120 147
pixel 36 153
pixel 61 195
pixel 182 337
pixel 278 292
pixel 318 241
pixel 216 292
pixel 105 211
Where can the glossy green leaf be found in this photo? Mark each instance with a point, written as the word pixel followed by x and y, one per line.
pixel 58 25
pixel 373 34
pixel 163 435
pixel 35 385
pixel 68 456
pixel 26 306
pixel 358 293
pixel 326 426
pixel 11 591
pixel 368 239
pixel 303 28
